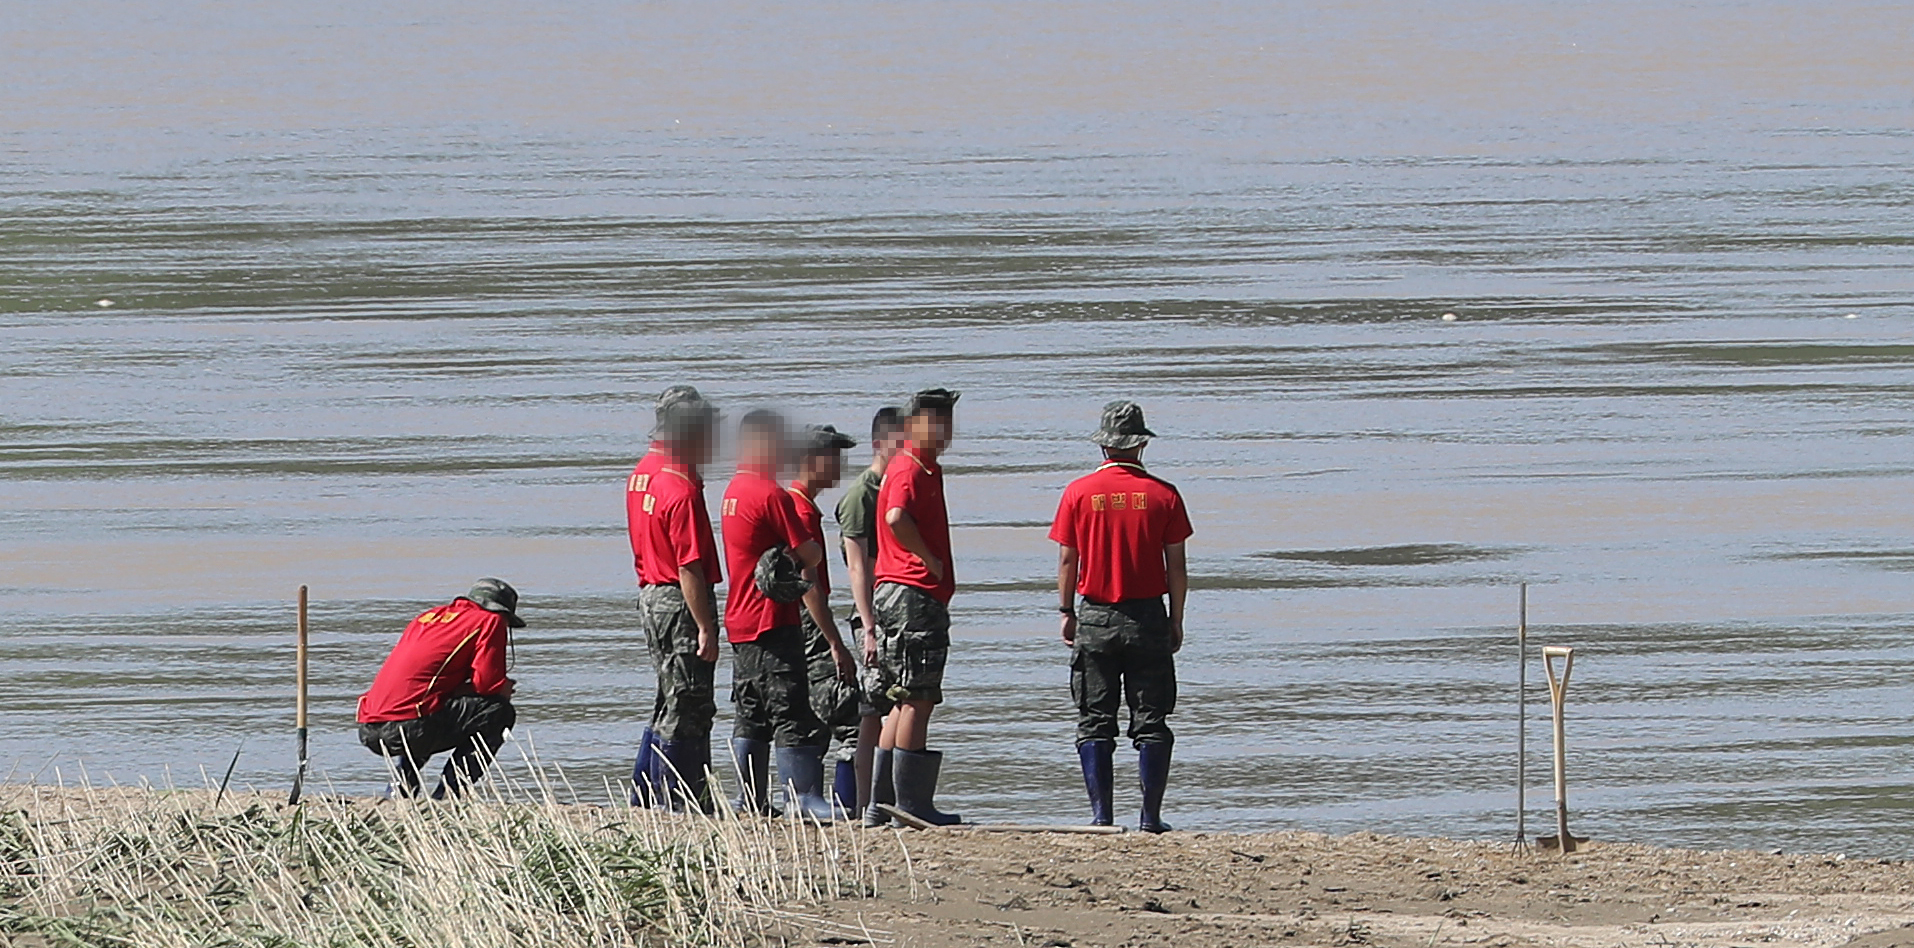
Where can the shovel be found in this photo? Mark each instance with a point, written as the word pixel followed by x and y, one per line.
pixel 1558 698
pixel 299 776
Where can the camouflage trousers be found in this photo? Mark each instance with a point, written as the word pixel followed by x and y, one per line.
pixel 1122 655
pixel 913 643
pixel 687 698
pixel 839 704
pixel 771 688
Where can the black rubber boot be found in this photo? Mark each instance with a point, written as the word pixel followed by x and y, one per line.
pixel 802 770
pixel 883 789
pixel 914 773
pixel 752 758
pixel 1099 779
pixel 1153 771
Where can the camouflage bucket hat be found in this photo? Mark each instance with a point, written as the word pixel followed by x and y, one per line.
pixel 682 410
pixel 497 595
pixel 779 576
pixel 1123 427
pixel 822 439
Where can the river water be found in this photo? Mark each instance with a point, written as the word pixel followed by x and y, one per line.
pixel 374 297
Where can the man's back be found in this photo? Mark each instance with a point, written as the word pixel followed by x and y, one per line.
pixel 758 515
pixel 1118 519
pixel 441 652
pixel 673 528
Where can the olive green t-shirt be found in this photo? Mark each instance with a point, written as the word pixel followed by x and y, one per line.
pixel 857 509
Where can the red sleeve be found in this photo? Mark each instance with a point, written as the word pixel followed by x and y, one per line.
pixel 680 525
pixel 905 495
pixel 488 658
pixel 785 520
pixel 1178 529
pixel 1064 528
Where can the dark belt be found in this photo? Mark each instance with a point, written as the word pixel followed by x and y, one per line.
pixel 656 585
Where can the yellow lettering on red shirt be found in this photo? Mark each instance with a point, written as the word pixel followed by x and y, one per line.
pixel 1119 501
pixel 640 483
pixel 730 506
pixel 1139 501
pixel 1097 501
pixel 651 500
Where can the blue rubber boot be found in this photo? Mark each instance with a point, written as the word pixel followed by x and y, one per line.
pixel 844 787
pixel 802 770
pixel 883 788
pixel 752 758
pixel 1099 779
pixel 644 772
pixel 914 773
pixel 1153 771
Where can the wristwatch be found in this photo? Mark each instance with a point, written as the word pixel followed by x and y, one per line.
pixel 1070 611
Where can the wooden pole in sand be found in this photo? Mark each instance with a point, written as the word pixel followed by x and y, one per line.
pixel 299 776
pixel 1558 696
pixel 1522 717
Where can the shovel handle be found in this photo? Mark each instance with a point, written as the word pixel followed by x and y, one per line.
pixel 301 714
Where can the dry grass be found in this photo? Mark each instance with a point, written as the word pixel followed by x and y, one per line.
pixel 515 867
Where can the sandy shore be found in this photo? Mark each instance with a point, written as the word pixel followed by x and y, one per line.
pixel 951 888
pixel 1197 890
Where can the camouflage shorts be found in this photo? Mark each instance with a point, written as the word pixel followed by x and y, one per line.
pixel 913 643
pixel 839 704
pixel 687 700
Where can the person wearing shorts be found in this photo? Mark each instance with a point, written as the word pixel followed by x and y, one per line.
pixel 915 580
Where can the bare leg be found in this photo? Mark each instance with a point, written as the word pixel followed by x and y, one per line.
pixel 870 730
pixel 887 735
pixel 910 725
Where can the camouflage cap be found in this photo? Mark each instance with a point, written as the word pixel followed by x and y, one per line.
pixel 779 576
pixel 823 439
pixel 1122 427
pixel 497 595
pixel 940 400
pixel 681 410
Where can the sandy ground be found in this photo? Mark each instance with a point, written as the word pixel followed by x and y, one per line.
pixel 1198 890
pixel 961 887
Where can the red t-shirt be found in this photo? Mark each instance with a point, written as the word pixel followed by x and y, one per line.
pixel 454 648
pixel 918 488
pixel 635 487
pixel 1119 519
pixel 758 515
pixel 813 521
pixel 674 527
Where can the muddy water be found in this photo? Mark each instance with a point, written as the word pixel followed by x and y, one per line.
pixel 374 301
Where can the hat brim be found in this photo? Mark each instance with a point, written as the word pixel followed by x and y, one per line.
pixel 1122 442
pixel 511 618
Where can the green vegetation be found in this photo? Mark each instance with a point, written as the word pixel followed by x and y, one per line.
pixel 180 870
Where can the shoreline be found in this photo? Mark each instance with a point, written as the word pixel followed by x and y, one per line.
pixel 949 888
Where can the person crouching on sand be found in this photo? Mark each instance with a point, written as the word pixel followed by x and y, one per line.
pixel 444 688
pixel 1120 532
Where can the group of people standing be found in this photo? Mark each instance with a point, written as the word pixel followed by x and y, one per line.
pixel 797 684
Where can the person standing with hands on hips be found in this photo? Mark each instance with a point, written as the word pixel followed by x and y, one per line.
pixel 915 580
pixel 1120 533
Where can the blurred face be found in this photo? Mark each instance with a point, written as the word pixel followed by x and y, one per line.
pixel 930 432
pixel 888 443
pixel 824 470
pixel 761 447
pixel 700 446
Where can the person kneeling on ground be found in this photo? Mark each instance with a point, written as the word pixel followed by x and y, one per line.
pixel 443 688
